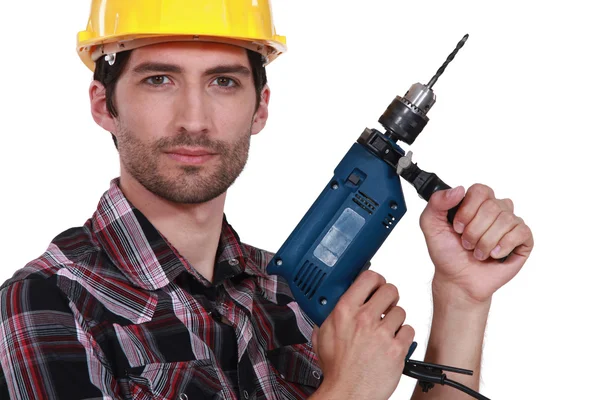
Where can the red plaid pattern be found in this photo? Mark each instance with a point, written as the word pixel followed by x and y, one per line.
pixel 112 311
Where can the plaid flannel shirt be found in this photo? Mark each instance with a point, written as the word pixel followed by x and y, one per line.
pixel 111 310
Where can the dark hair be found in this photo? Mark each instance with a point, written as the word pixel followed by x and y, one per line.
pixel 108 75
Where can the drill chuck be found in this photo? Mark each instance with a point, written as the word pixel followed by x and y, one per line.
pixel 406 116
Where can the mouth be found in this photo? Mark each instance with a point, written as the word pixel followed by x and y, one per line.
pixel 189 155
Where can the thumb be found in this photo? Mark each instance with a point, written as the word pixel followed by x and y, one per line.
pixel 439 203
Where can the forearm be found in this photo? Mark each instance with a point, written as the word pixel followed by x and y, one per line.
pixel 456 339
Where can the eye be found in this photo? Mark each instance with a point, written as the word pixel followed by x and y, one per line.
pixel 158 80
pixel 224 82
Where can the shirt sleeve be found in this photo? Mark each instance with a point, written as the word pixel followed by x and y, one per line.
pixel 44 351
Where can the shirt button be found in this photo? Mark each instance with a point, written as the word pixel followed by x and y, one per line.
pixel 183 396
pixel 233 262
pixel 317 374
pixel 246 395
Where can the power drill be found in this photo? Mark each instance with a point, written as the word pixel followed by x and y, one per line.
pixel 357 210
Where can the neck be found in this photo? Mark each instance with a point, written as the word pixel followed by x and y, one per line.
pixel 193 229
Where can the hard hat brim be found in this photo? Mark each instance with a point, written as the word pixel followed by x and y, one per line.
pixel 90 51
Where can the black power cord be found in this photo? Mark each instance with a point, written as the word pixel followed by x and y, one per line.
pixel 428 375
pixel 465 389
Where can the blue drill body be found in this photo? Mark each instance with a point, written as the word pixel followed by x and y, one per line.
pixel 355 213
pixel 342 230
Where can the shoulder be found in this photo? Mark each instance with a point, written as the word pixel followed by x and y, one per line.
pixel 74 276
pixel 72 249
pixel 22 301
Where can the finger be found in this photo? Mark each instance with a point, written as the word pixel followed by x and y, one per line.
pixel 393 319
pixel 486 215
pixel 474 198
pixel 509 204
pixel 504 223
pixel 406 335
pixel 438 205
pixel 362 288
pixel 382 301
pixel 443 200
pixel 519 241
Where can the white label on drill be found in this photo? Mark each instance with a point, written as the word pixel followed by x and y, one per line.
pixel 339 237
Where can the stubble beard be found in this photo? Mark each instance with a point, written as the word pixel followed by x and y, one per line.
pixel 185 184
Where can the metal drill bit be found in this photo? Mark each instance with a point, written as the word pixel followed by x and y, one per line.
pixel 450 58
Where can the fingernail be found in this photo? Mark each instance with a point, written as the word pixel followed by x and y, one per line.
pixel 460 227
pixel 478 254
pixel 496 251
pixel 467 245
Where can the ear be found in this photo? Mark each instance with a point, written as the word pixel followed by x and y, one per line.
pixel 99 110
pixel 262 113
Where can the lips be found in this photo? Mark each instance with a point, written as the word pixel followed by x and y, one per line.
pixel 186 155
pixel 192 152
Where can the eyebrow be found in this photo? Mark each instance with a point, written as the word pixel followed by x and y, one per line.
pixel 146 67
pixel 153 67
pixel 228 69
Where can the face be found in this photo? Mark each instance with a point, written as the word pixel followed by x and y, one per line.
pixel 186 112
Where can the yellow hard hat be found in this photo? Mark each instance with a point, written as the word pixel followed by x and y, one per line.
pixel 120 25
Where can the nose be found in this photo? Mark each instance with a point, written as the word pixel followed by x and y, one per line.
pixel 193 111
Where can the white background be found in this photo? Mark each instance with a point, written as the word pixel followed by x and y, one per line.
pixel 516 110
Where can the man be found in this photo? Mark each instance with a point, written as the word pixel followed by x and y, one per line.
pixel 156 297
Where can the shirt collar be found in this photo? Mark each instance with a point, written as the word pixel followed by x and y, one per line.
pixel 145 257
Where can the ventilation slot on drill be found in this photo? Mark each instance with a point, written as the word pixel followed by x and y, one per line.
pixel 389 221
pixel 309 278
pixel 365 202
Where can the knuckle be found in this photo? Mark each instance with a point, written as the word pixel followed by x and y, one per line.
pixel 509 203
pixel 507 218
pixel 390 290
pixel 409 331
pixel 363 318
pixel 401 312
pixel 373 277
pixel 492 206
pixel 342 309
pixel 405 337
pixel 529 235
pixel 481 189
pixel 517 236
pixel 527 231
pixel 477 188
